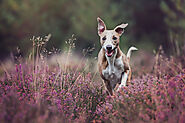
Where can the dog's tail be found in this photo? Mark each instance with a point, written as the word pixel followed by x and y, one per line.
pixel 130 51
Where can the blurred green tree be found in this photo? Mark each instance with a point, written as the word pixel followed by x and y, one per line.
pixel 175 20
pixel 149 22
pixel 20 20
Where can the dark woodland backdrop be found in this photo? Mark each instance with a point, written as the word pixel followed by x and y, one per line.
pixel 151 23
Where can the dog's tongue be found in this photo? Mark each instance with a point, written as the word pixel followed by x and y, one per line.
pixel 109 54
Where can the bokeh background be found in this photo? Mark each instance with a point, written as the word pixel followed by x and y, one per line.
pixel 38 86
pixel 151 23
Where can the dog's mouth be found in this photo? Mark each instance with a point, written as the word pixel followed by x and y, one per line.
pixel 109 53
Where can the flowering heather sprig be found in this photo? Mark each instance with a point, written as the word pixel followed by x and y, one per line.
pixel 149 99
pixel 38 92
pixel 71 96
pixel 70 93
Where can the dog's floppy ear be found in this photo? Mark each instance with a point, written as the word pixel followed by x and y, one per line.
pixel 101 26
pixel 120 29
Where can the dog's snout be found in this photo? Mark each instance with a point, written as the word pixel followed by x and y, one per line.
pixel 109 47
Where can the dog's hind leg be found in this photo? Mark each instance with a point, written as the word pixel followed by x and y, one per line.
pixel 129 75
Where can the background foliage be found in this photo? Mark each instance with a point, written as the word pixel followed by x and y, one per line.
pixel 151 23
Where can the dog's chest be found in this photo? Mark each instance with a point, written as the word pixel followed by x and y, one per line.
pixel 113 72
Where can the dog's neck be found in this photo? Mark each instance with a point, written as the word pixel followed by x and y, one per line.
pixel 111 60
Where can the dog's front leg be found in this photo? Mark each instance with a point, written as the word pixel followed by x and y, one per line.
pixel 108 87
pixel 123 79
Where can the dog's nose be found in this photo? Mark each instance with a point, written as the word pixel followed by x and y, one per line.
pixel 109 47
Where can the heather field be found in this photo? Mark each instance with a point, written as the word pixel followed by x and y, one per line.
pixel 65 88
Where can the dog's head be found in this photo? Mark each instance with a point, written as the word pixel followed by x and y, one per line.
pixel 109 39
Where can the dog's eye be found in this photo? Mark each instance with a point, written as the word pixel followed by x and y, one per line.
pixel 114 38
pixel 104 38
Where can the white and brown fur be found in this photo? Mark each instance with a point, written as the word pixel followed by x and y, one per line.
pixel 113 64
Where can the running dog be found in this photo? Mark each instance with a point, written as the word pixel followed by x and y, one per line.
pixel 113 64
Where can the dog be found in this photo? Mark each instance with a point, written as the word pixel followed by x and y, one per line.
pixel 113 64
